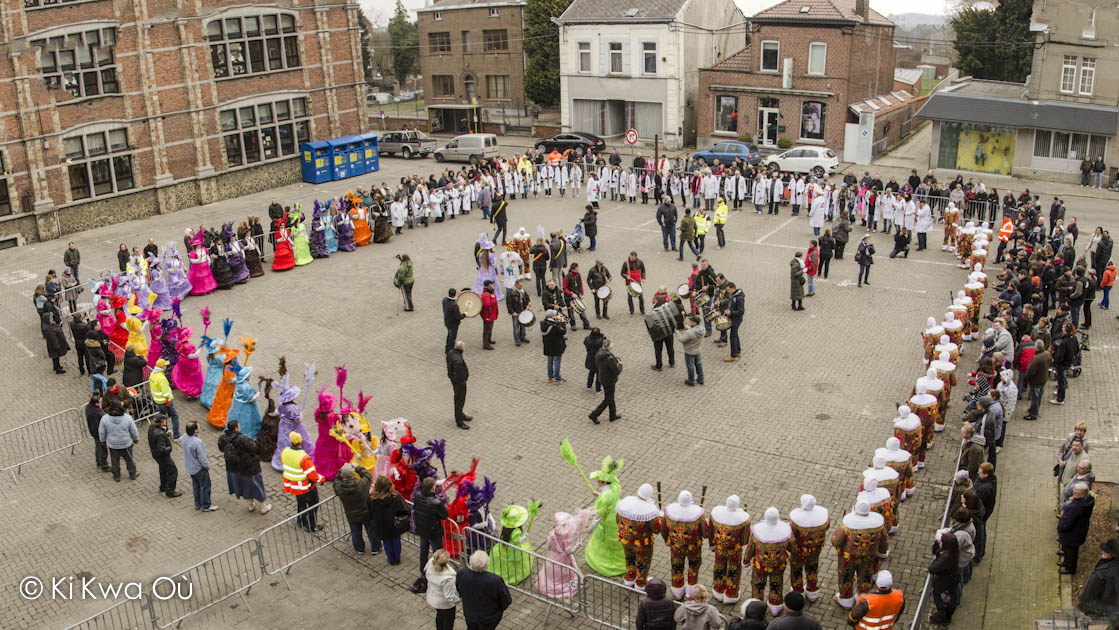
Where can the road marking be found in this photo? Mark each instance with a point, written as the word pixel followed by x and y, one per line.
pixel 649 222
pixel 30 354
pixel 775 230
pixel 848 283
pixel 17 276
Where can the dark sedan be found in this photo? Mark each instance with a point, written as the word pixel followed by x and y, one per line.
pixel 572 140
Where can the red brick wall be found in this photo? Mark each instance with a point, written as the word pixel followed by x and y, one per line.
pixel 871 66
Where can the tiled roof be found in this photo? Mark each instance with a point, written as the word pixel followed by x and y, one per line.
pixel 820 10
pixel 463 4
pixel 621 9
pixel 738 61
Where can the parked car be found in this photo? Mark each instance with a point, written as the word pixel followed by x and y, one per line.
pixel 727 152
pixel 572 140
pixel 406 143
pixel 815 160
pixel 472 147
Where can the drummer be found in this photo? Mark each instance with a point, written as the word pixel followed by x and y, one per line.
pixel 722 303
pixel 598 277
pixel 633 272
pixel 518 302
pixel 573 295
pixel 704 284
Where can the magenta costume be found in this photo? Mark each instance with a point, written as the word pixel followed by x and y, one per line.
pixel 178 286
pixel 291 419
pixel 201 278
pixel 330 453
pixel 187 374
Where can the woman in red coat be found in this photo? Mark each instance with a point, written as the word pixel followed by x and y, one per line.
pixel 489 314
pixel 812 266
pixel 284 257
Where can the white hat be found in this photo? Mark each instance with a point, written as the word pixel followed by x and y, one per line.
pixel 904 410
pixel 862 508
pixel 879 462
pixel 931 323
pixel 807 501
pixel 893 444
pixel 645 491
pixel 733 503
pixel 685 498
pixel 885 579
pixel 772 515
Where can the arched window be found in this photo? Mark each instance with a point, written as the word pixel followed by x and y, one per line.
pixel 252 44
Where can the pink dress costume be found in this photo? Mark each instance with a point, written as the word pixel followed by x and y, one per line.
pixel 187 373
pixel 553 580
pixel 330 453
pixel 178 286
pixel 155 329
pixel 291 418
pixel 201 278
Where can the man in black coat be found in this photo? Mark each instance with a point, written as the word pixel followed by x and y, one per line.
pixel 452 317
pixel 1102 587
pixel 80 330
pixel 93 415
pixel 484 595
pixel 458 373
pixel 609 367
pixel 666 218
pixel 736 312
pixel 1072 528
pixel 1064 353
pixel 500 218
pixel 428 513
pixel 159 441
pixel 352 487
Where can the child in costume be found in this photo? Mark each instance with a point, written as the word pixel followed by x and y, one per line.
pixel 284 258
pixel 236 256
pixel 270 421
pixel 330 453
pixel 317 241
pixel 557 580
pixel 487 267
pixel 604 553
pixel 291 417
pixel 223 397
pixel 300 242
pixel 345 228
pixel 201 278
pixel 187 373
pixel 512 565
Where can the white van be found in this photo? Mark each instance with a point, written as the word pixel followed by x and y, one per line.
pixel 473 148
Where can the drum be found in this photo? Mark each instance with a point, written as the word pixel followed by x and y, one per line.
pixel 634 289
pixel 526 318
pixel 701 299
pixel 578 305
pixel 603 293
pixel 470 303
pixel 722 322
pixel 711 315
pixel 683 291
pixel 661 321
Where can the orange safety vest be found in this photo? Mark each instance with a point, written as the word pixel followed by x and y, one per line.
pixel 554 158
pixel 1006 230
pixel 884 610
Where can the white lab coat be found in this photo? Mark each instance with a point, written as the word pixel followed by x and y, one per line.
pixel 924 219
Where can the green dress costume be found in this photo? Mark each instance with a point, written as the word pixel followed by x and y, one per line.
pixel 511 564
pixel 300 245
pixel 604 552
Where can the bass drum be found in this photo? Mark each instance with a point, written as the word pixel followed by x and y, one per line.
pixel 526 318
pixel 662 320
pixel 470 303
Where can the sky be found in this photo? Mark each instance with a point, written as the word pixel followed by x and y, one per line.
pixel 381 10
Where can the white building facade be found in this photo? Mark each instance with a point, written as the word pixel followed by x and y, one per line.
pixel 633 64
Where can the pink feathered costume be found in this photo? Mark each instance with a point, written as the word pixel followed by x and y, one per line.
pixel 187 374
pixel 557 581
pixel 330 453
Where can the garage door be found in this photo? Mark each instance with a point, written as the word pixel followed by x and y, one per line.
pixel 586 115
pixel 645 118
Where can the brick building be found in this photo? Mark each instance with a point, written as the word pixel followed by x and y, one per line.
pixel 807 62
pixel 472 60
pixel 122 110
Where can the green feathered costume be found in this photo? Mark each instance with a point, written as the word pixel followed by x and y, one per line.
pixel 512 565
pixel 604 552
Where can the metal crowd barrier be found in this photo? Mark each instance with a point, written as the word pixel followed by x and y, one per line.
pixel 231 573
pixel 537 572
pixel 284 544
pixel 35 440
pixel 130 614
pixel 143 406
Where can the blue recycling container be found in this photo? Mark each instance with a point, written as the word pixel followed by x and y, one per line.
pixel 316 162
pixel 370 152
pixel 339 158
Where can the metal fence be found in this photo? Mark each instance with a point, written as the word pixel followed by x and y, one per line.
pixel 288 542
pixel 614 605
pixel 35 440
pixel 231 573
pixel 130 614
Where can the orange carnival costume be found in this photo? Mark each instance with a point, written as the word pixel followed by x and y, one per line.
pixel 685 527
pixel 946 345
pixel 770 542
pixel 939 388
pixel 965 240
pixel 970 316
pixel 362 234
pixel 223 398
pixel 810 524
pixel 932 334
pixel 639 521
pixel 861 542
pixel 888 479
pixel 730 534
pixel 951 218
pixel 954 327
pixel 909 428
pixel 960 314
pixel 901 461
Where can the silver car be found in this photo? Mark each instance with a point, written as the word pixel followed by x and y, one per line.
pixel 473 148
pixel 406 143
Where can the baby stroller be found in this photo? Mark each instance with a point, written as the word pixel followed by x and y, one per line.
pixel 1076 368
pixel 575 238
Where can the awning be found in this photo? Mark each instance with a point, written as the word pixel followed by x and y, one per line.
pixel 452 106
pixel 1021 113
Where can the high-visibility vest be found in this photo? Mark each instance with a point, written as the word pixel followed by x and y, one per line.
pixel 554 158
pixel 297 468
pixel 161 389
pixel 721 214
pixel 701 225
pixel 884 610
pixel 1006 230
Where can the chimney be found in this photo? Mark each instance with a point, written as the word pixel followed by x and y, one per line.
pixel 862 9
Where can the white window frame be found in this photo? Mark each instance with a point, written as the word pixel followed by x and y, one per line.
pixel 437 16
pixel 579 50
pixel 645 52
pixel 493 12
pixel 1068 75
pixel 1087 75
pixel 761 58
pixel 621 60
pixel 823 71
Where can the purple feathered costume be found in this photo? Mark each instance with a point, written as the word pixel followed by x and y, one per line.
pixel 344 227
pixel 291 418
pixel 317 240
